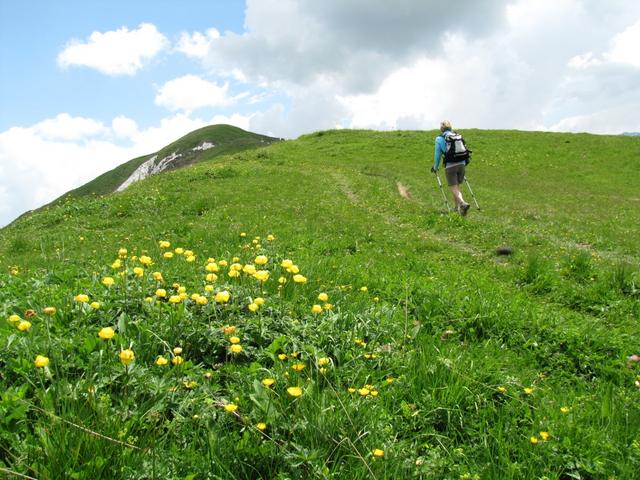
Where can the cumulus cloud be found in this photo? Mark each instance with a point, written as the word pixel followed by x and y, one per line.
pixel 191 92
pixel 197 44
pixel 41 162
pixel 117 52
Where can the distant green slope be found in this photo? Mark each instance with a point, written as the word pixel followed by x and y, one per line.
pixel 227 139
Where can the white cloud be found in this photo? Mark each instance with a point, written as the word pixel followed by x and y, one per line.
pixel 37 166
pixel 191 92
pixel 625 46
pixel 197 44
pixel 117 52
pixel 66 127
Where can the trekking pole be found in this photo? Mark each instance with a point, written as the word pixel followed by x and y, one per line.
pixel 466 180
pixel 442 190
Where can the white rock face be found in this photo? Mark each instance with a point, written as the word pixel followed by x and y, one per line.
pixel 204 146
pixel 149 168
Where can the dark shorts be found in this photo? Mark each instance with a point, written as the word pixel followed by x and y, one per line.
pixel 455 174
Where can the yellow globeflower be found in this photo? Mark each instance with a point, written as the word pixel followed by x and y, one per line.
pixel 177 360
pixel 41 361
pixel 364 391
pixel 316 309
pixel 95 305
pixel 282 356
pixel 294 391
pixel 259 301
pixel 127 356
pixel 364 289
pixel 328 306
pixel 179 250
pixel 14 318
pixel 161 293
pixel 267 382
pixel 195 296
pixel 108 281
pixel 261 275
pixel 222 297
pixel 81 298
pixel 502 389
pixel 157 276
pixel 188 253
pixel 229 329
pixel 24 325
pixel 234 340
pixel 223 263
pixel 175 299
pixel 253 307
pixel 261 260
pixel 138 271
pixel 298 367
pixel 208 288
pixel 564 409
pixel 182 289
pixel 282 280
pixel 212 267
pixel 534 440
pixel 243 234
pixel 145 260
pixel 202 300
pixel 106 333
pixel 528 391
pixel 167 255
pixel 231 407
pixel 116 264
pixel 233 273
pixel 236 348
pixel 322 361
pixel 544 436
pixel 261 426
pixel 211 277
pixel 377 452
pixel 164 244
pixel 323 297
pixel 293 269
pixel 286 263
pixel 177 350
pixel 191 258
pixel 161 361
pixel 236 266
pixel 299 278
pixel 249 269
pixel 49 310
pixel 270 238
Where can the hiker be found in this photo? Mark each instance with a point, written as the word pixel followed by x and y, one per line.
pixel 453 169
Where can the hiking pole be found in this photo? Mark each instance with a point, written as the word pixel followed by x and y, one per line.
pixel 466 180
pixel 442 190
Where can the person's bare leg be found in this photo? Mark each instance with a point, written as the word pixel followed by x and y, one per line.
pixel 457 195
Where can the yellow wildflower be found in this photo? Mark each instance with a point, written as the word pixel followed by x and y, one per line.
pixel 544 436
pixel 95 305
pixel 175 299
pixel 145 260
pixel 108 281
pixel 377 452
pixel 161 361
pixel 261 260
pixel 236 348
pixel 534 440
pixel 122 253
pixel 167 255
pixel 261 426
pixel 299 278
pixel 282 280
pixel 212 267
pixel 270 238
pixel 24 325
pixel 249 269
pixel 41 361
pixel 267 382
pixel 328 306
pixel 282 356
pixel 259 301
pixel 81 298
pixel 502 389
pixel 222 297
pixel 323 297
pixel 253 307
pixel 528 391
pixel 179 250
pixel 223 263
pixel 164 244
pixel 177 350
pixel 286 263
pixel 106 333
pixel 234 340
pixel 294 391
pixel 191 258
pixel 127 356
pixel 564 409
pixel 364 289
pixel 177 360
pixel 161 293
pixel 157 276
pixel 14 318
pixel 228 329
pixel 298 367
pixel 316 309
pixel 233 273
pixel 231 407
pixel 364 391
pixel 261 275
pixel 49 310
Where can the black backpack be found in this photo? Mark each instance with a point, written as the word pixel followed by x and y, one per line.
pixel 456 150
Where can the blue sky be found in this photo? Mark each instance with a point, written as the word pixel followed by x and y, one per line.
pixel 88 85
pixel 33 86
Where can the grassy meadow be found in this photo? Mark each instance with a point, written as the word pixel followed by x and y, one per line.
pixel 310 310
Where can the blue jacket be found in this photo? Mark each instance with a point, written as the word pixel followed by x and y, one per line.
pixel 440 149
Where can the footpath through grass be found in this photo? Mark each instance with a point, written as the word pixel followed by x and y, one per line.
pixel 366 334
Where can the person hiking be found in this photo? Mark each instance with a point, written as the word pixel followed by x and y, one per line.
pixel 453 169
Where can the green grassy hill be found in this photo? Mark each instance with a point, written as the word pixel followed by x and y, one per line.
pixel 430 356
pixel 227 139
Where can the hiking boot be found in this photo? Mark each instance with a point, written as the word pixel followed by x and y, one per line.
pixel 464 208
